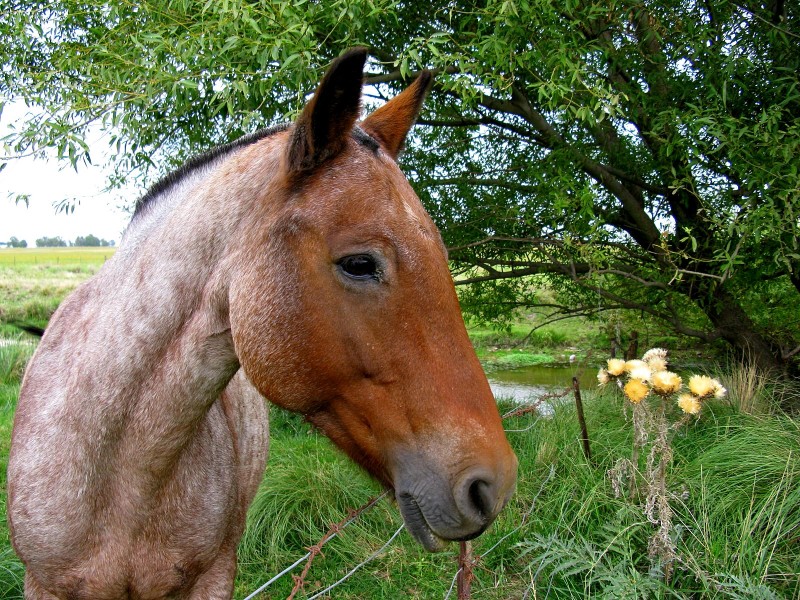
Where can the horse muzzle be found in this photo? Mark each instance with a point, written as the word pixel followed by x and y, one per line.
pixel 441 505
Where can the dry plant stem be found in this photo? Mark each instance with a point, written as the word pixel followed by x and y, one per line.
pixel 632 486
pixel 637 425
pixel 464 579
pixel 657 508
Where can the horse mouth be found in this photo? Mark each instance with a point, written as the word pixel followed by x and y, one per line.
pixel 417 525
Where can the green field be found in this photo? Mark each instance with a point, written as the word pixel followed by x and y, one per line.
pixel 33 281
pixel 55 256
pixel 733 484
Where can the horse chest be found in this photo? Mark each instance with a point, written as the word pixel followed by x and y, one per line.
pixel 138 535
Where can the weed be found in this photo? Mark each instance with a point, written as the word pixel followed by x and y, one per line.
pixel 746 386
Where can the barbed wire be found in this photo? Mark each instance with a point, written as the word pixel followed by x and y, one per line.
pixel 534 406
pixel 332 532
pixel 466 560
pixel 369 559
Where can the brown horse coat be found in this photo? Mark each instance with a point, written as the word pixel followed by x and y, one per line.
pixel 297 265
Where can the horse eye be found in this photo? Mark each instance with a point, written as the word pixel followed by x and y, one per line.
pixel 359 266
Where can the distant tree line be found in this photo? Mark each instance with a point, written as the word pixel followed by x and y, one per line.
pixel 51 242
pixel 91 240
pixel 59 242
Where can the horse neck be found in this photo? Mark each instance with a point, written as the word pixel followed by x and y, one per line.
pixel 148 339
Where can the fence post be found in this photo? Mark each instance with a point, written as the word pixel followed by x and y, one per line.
pixel 584 432
pixel 464 577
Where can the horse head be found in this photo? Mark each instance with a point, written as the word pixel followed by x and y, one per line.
pixel 344 310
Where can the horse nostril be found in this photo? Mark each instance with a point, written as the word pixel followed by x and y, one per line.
pixel 480 496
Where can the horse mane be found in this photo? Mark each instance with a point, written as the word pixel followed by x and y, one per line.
pixel 199 161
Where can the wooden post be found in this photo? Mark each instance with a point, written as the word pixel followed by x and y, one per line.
pixel 464 577
pixel 587 451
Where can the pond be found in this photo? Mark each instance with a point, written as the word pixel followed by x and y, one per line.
pixel 526 384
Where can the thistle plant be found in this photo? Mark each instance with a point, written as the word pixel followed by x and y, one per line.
pixel 658 411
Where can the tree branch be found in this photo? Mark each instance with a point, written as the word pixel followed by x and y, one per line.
pixel 476 181
pixel 537 269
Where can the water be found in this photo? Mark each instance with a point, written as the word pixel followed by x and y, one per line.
pixel 527 384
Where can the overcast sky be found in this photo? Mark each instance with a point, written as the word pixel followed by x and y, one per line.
pixel 47 182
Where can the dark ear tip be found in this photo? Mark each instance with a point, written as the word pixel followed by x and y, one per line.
pixel 425 79
pixel 354 58
pixel 422 85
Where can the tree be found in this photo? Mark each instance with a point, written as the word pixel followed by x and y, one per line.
pixel 638 155
pixel 50 242
pixel 91 241
pixel 17 243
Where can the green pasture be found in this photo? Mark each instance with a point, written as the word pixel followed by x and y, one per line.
pixel 733 483
pixel 68 256
pixel 33 281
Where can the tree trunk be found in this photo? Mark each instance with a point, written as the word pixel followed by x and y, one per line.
pixel 736 328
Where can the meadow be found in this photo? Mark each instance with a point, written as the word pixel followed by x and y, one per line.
pixel 63 256
pixel 733 485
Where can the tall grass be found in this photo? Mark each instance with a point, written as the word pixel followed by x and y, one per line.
pixel 735 488
pixel 747 387
pixel 736 492
pixel 13 358
pixel 742 513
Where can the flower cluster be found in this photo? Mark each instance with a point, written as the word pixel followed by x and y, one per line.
pixel 650 375
pixel 700 388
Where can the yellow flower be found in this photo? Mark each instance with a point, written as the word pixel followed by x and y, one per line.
pixel 719 391
pixel 655 354
pixel 602 377
pixel 689 404
pixel 634 364
pixel 657 364
pixel 636 390
pixel 616 367
pixel 641 372
pixel 702 385
pixel 666 383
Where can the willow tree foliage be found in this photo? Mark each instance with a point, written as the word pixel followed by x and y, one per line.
pixel 639 155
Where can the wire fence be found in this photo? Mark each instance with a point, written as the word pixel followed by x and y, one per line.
pixel 467 560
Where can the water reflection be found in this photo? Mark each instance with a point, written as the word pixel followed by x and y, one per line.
pixel 527 384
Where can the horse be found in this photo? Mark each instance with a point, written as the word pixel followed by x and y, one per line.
pixel 295 265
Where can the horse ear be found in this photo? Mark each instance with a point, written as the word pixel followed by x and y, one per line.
pixel 391 123
pixel 327 121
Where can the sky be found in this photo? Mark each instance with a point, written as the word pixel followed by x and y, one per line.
pixel 47 182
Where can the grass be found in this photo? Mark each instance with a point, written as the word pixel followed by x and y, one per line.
pixel 523 346
pixel 12 363
pixel 734 484
pixel 735 488
pixel 33 281
pixel 55 257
